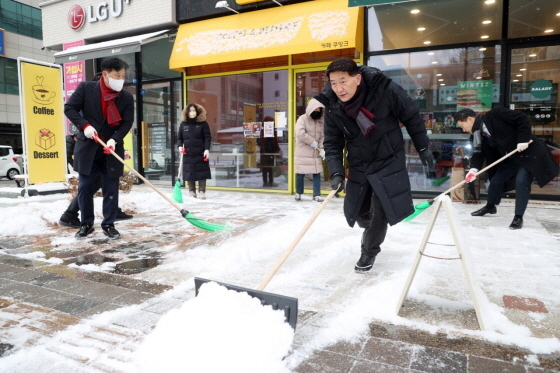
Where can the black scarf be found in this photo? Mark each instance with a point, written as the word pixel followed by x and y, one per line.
pixel 354 109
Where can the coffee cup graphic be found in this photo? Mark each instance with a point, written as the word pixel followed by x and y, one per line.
pixel 42 93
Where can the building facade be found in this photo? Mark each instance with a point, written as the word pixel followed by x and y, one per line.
pixel 21 35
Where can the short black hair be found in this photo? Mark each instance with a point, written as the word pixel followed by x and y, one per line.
pixel 462 115
pixel 113 63
pixel 343 64
pixel 96 77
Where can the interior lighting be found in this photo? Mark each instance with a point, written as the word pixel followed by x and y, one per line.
pixel 533 55
pixel 440 80
pixel 515 80
pixel 522 69
pixel 558 14
pixel 430 53
pixel 549 30
pixel 484 37
pixel 519 75
pixel 439 74
pixel 482 49
pixel 486 22
pixel 442 84
pixel 489 1
pixel 434 62
pixel 423 29
pixel 415 11
pixel 427 42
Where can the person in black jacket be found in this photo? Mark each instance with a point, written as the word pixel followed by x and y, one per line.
pixel 100 110
pixel 70 142
pixel 193 140
pixel 363 109
pixel 495 134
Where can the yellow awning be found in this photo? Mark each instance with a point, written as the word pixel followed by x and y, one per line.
pixel 312 26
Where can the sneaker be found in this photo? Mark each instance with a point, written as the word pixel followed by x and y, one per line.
pixel 192 194
pixel 69 221
pixel 298 197
pixel 365 263
pixel 111 232
pixel 485 210
pixel 85 230
pixel 201 195
pixel 317 199
pixel 517 223
pixel 122 215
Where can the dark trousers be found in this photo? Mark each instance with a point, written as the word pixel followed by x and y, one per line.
pixel 316 184
pixel 267 175
pixel 523 180
pixel 201 186
pixel 88 187
pixel 74 207
pixel 375 223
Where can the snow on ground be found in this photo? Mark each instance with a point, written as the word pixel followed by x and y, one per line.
pixel 320 270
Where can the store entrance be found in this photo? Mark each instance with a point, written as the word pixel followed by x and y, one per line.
pixel 161 111
pixel 307 85
pixel 534 80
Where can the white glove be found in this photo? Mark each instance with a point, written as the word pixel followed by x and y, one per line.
pixel 313 144
pixel 522 146
pixel 322 153
pixel 206 154
pixel 471 176
pixel 110 146
pixel 90 132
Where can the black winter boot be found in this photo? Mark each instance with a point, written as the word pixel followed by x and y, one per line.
pixel 365 263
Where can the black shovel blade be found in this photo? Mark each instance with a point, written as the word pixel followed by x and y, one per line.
pixel 278 302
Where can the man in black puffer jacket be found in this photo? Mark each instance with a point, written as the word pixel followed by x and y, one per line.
pixel 363 109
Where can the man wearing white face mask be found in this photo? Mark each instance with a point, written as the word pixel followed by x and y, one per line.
pixel 100 109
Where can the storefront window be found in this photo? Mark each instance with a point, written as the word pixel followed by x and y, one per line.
pixel 440 83
pixel 247 114
pixel 533 18
pixel 433 22
pixel 535 75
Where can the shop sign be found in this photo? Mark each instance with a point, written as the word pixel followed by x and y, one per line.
pixel 99 12
pixel 475 95
pixel 541 88
pixel 374 2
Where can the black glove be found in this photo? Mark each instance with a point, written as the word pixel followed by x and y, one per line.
pixel 427 159
pixel 337 184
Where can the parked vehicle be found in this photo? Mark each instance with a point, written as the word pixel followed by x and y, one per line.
pixel 8 162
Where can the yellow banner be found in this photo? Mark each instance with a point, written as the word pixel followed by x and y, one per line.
pixel 43 114
pixel 312 26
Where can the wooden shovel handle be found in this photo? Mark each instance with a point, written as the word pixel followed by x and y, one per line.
pixel 140 176
pixel 479 172
pixel 296 240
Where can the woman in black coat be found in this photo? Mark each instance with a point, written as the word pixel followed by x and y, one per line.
pixel 193 140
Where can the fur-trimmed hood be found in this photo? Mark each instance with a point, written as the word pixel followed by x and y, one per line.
pixel 201 113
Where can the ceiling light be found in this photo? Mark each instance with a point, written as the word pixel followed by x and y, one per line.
pixel 489 1
pixel 442 84
pixel 415 11
pixel 430 53
pixel 558 14
pixel 478 77
pixel 439 74
pixel 427 42
pixel 482 49
pixel 434 62
pixel 549 30
pixel 224 4
pixel 486 22
pixel 523 69
pixel 533 55
pixel 423 28
pixel 519 75
pixel 484 37
pixel 515 80
pixel 440 80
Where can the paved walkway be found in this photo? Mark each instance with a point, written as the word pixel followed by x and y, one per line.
pixel 38 299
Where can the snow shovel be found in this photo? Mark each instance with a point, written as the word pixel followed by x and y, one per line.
pixel 419 208
pixel 278 302
pixel 199 223
pixel 177 193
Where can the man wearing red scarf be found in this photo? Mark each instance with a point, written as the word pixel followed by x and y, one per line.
pixel 100 109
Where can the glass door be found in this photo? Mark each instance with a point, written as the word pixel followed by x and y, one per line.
pixel 307 85
pixel 533 89
pixel 161 112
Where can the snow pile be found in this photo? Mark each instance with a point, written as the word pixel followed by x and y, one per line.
pixel 220 330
